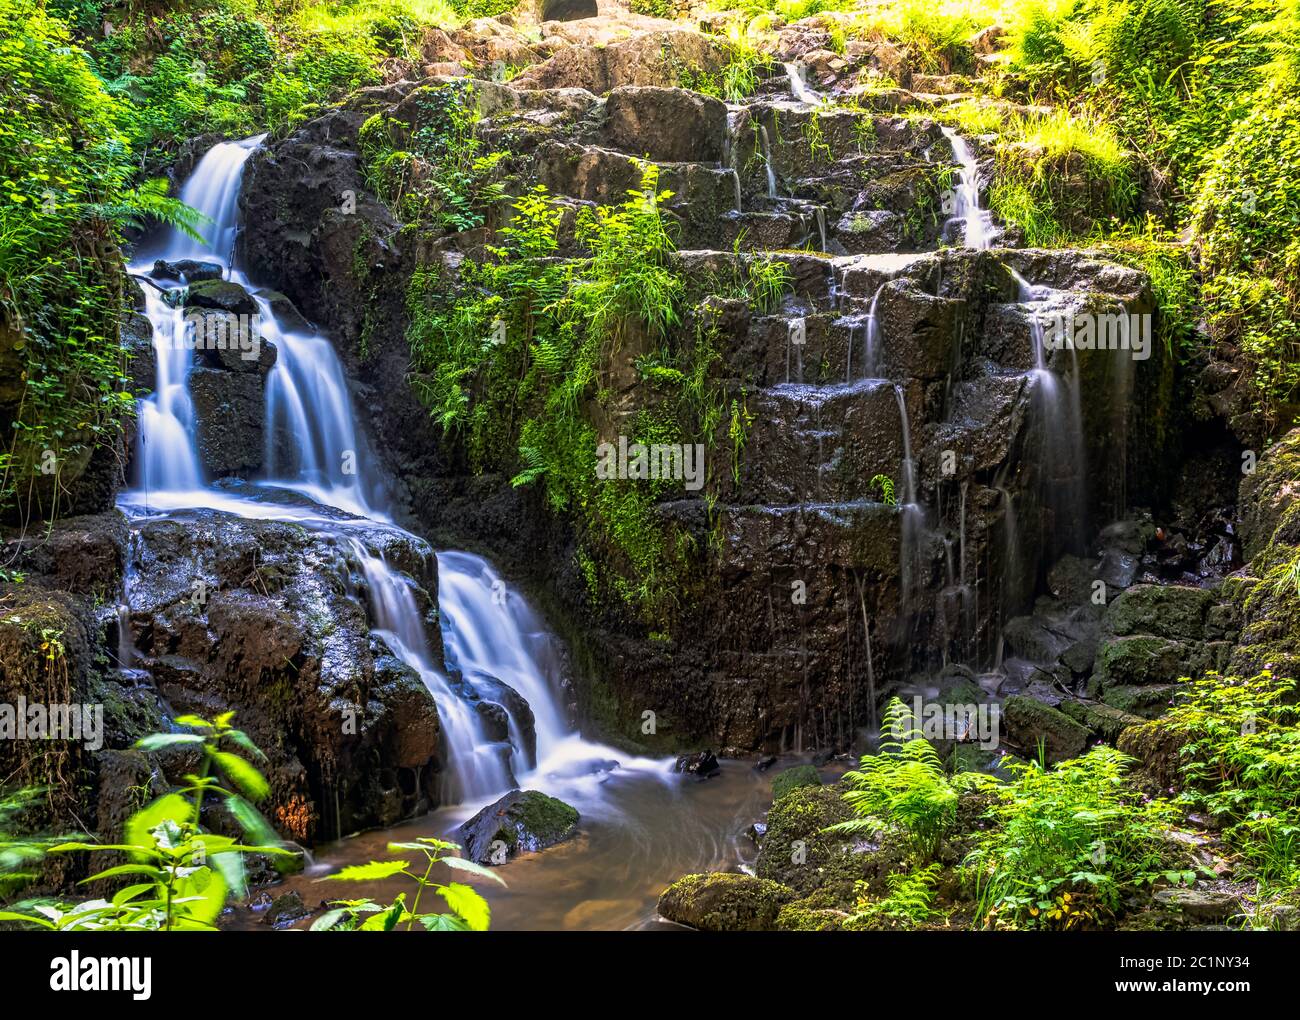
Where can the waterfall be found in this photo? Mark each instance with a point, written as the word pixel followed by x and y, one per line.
pixel 1063 459
pixel 307 402
pixel 495 642
pixel 476 765
pixel 977 223
pixel 166 458
pixel 799 86
pixel 767 159
pixel 490 631
pixel 909 466
pixel 871 341
pixel 212 189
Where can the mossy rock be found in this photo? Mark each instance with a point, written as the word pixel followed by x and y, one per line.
pixel 1138 660
pixel 1145 702
pixel 1030 722
pixel 724 902
pixel 798 853
pixel 1103 720
pixel 523 821
pixel 799 916
pixel 1168 611
pixel 793 778
pixel 1158 749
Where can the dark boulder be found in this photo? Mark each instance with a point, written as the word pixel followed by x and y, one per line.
pixel 187 270
pixel 523 821
pixel 701 764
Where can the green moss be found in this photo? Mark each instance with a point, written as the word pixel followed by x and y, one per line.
pixel 546 817
pixel 724 902
pixel 794 778
pixel 798 853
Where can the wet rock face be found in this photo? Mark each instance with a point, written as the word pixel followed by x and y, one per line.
pixel 261 618
pixel 817 592
pixel 667 124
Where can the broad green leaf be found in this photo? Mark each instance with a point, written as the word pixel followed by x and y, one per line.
pixel 328 920
pixel 443 922
pixel 131 892
pixel 386 921
pixel 157 741
pixel 170 807
pixel 250 782
pixel 371 872
pixel 252 821
pixel 466 901
pixel 125 869
pixel 473 868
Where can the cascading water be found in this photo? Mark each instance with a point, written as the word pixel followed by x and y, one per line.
pixel 489 631
pixel 213 190
pixel 977 223
pixel 1061 421
pixel 767 160
pixel 476 764
pixel 799 86
pixel 493 639
pixel 166 460
pixel 871 339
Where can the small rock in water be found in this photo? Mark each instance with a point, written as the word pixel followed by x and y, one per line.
pixel 701 765
pixel 187 270
pixel 285 909
pixel 766 763
pixel 523 821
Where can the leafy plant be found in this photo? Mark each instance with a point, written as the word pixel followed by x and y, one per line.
pixel 467 910
pixel 1069 842
pixel 1240 763
pixel 910 902
pixel 905 788
pixel 179 876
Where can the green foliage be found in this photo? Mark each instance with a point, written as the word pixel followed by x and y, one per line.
pixel 434 171
pixel 20 856
pixel 513 362
pixel 910 902
pixel 179 877
pixel 65 193
pixel 1069 843
pixel 466 910
pixel 1246 217
pixel 904 787
pixel 1241 765
pixel 1059 177
pixel 885 486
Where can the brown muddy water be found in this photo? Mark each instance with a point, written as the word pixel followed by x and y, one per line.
pixel 641 828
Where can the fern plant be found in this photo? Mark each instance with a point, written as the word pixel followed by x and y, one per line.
pixel 904 787
pixel 910 902
pixel 1069 842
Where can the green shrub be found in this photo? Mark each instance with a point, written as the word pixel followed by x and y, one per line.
pixel 1069 843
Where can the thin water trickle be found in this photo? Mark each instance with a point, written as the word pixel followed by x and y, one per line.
pixel 871 339
pixel 767 161
pixel 799 87
pixel 1063 459
pixel 978 229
